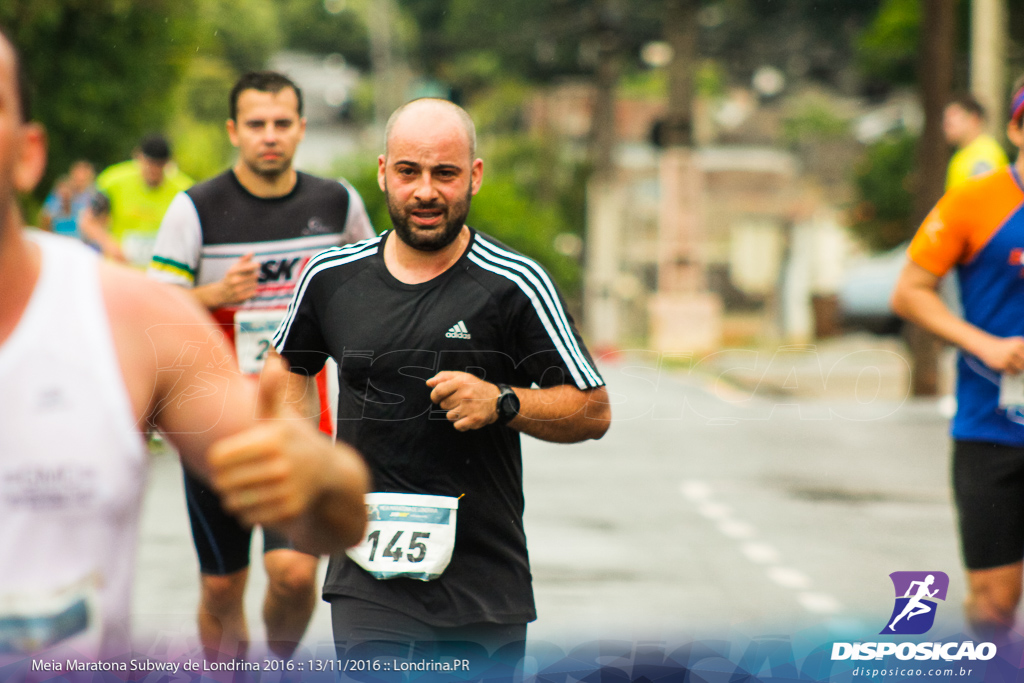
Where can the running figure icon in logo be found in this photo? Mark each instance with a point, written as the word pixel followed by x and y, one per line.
pixel 913 590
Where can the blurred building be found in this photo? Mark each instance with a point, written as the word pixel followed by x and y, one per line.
pixel 736 239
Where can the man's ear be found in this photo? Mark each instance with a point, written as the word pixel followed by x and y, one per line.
pixel 229 125
pixel 1014 133
pixel 477 175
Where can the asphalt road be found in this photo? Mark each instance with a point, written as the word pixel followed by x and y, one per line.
pixel 706 510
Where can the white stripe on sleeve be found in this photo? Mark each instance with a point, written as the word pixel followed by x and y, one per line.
pixel 545 320
pixel 543 285
pixel 328 259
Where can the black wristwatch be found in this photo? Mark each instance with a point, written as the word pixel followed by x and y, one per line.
pixel 508 404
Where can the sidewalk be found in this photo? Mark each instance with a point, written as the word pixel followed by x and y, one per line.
pixel 861 368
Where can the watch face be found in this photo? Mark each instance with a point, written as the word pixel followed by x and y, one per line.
pixel 508 405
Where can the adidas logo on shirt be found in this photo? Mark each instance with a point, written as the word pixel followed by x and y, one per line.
pixel 458 331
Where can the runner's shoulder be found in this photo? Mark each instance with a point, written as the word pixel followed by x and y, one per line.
pixel 996 191
pixel 343 261
pixel 325 187
pixel 116 174
pixel 984 186
pixel 505 271
pixel 133 299
pixel 212 187
pixel 319 181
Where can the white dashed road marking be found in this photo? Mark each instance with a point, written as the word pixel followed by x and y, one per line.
pixel 758 552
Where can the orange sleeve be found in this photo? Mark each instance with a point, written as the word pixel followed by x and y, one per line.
pixel 941 241
pixel 964 221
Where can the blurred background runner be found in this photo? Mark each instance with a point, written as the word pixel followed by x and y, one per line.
pixel 139 190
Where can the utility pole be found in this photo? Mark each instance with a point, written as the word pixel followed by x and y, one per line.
pixel 680 270
pixel 388 74
pixel 684 316
pixel 605 202
pixel 988 59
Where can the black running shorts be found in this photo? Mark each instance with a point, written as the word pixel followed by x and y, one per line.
pixel 988 485
pixel 366 629
pixel 222 544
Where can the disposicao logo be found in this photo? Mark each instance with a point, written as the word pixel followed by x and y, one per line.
pixel 916 593
pixel 914 614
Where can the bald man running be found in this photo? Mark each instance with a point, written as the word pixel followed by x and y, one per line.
pixel 449 345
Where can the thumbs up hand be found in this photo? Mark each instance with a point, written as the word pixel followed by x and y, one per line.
pixel 285 473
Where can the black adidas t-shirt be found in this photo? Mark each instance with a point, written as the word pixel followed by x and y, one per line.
pixel 496 314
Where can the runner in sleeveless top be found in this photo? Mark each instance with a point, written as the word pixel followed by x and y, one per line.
pixel 240 241
pixel 428 309
pixel 85 349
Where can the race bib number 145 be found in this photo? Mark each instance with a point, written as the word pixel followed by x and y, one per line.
pixel 407 535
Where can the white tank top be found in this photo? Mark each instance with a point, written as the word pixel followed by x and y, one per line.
pixel 72 467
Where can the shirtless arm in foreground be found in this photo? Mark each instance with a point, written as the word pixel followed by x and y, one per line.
pixel 270 466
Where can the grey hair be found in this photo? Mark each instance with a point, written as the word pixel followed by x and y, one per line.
pixel 464 119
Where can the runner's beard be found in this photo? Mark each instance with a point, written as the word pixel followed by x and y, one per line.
pixel 423 239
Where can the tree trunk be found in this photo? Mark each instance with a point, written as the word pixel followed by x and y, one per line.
pixel 935 74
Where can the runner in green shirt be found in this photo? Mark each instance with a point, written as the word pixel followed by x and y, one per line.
pixel 963 124
pixel 139 190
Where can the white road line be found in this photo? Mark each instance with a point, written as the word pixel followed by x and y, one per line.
pixel 789 578
pixel 701 495
pixel 760 553
pixel 734 528
pixel 714 510
pixel 695 490
pixel 819 603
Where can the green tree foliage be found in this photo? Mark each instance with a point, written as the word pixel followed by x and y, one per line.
pixel 504 210
pixel 363 176
pixel 530 196
pixel 200 104
pixel 811 40
pixel 537 40
pixel 325 28
pixel 231 37
pixel 812 118
pixel 888 47
pixel 543 40
pixel 242 32
pixel 883 178
pixel 102 71
pixel 106 72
